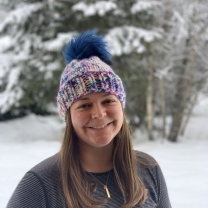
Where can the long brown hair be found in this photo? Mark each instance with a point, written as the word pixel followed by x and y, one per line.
pixel 76 187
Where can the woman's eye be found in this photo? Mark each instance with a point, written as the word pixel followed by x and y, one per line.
pixel 84 106
pixel 108 101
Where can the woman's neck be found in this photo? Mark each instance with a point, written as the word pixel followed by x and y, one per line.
pixel 95 159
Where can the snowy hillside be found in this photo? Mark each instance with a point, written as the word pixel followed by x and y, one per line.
pixel 27 141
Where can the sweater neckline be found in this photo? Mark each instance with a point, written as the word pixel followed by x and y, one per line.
pixel 98 174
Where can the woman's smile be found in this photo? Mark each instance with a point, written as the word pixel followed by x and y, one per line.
pixel 100 126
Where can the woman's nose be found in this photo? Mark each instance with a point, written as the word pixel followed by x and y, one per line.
pixel 98 111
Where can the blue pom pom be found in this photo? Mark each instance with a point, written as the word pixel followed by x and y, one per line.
pixel 86 45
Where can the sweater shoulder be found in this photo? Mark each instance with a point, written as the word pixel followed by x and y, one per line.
pixel 40 187
pixel 145 159
pixel 48 166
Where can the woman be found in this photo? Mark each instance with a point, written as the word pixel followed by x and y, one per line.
pixel 96 166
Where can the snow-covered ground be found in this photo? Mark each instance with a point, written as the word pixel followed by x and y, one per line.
pixel 25 142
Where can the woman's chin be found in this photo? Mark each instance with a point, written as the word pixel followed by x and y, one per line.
pixel 101 141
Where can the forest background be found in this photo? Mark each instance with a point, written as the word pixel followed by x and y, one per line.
pixel 159 48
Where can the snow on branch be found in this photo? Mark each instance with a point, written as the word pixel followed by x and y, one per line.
pixel 12 92
pixel 182 31
pixel 57 43
pixel 126 39
pixel 20 15
pixel 161 73
pixel 5 64
pixel 203 58
pixel 5 43
pixel 144 5
pixel 100 8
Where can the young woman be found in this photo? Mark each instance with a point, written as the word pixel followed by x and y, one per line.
pixel 96 166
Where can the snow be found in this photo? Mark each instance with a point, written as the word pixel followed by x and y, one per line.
pixel 126 39
pixel 32 128
pixel 12 92
pixel 10 72
pixel 2 14
pixel 144 6
pixel 4 64
pixel 100 8
pixel 58 43
pixel 20 14
pixel 27 141
pixel 5 43
pixel 182 26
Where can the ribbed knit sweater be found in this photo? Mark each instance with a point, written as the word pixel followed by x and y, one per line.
pixel 41 187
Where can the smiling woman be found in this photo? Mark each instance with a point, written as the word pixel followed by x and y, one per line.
pixel 96 166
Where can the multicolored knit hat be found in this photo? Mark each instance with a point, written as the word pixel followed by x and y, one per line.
pixel 88 71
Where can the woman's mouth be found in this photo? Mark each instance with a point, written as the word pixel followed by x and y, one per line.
pixel 99 127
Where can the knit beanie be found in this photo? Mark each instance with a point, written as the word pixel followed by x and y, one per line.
pixel 88 70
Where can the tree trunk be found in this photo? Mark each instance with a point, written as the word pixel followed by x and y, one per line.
pixel 178 113
pixel 161 79
pixel 149 99
pixel 178 105
pixel 187 95
pixel 163 106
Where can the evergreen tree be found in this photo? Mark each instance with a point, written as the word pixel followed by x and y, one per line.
pixel 35 40
pixel 31 57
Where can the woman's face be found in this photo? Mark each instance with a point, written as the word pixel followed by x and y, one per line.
pixel 97 118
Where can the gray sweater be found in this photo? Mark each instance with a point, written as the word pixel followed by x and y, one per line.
pixel 40 187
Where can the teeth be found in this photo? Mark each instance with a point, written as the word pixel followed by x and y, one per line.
pixel 99 127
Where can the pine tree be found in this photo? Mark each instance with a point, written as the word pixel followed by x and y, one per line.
pixel 35 41
pixel 32 60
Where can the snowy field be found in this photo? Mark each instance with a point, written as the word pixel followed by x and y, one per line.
pixel 25 142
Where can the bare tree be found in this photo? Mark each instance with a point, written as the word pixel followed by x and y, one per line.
pixel 149 96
